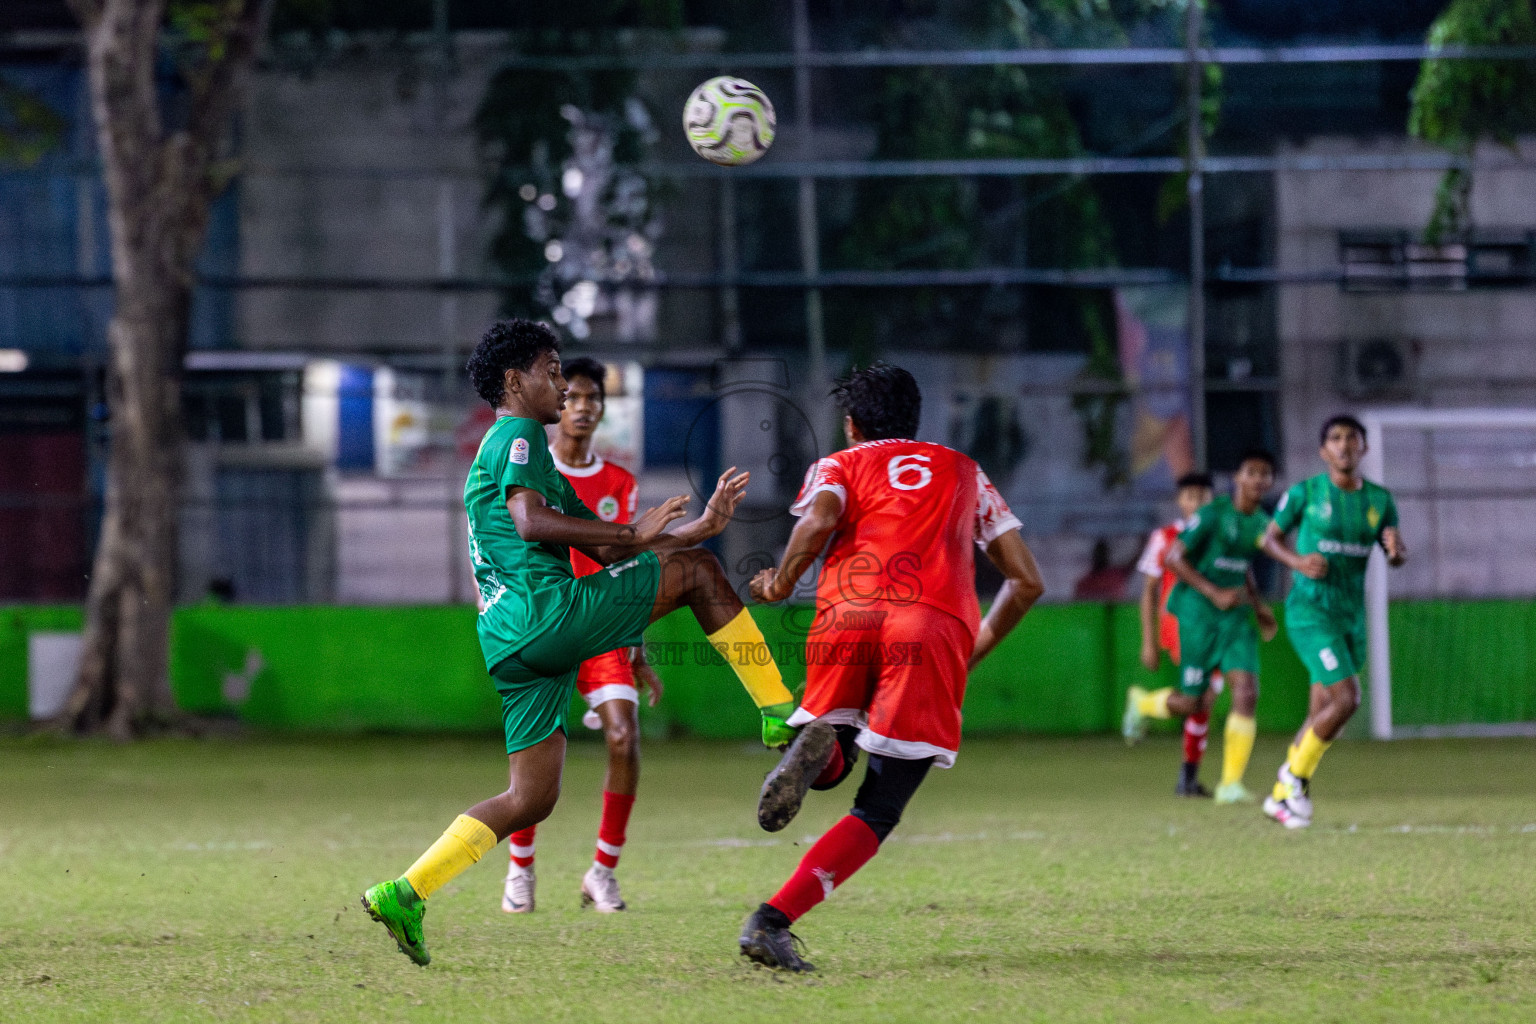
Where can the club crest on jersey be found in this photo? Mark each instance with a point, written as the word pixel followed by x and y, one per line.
pixel 607 508
pixel 520 451
pixel 1372 516
pixel 1324 509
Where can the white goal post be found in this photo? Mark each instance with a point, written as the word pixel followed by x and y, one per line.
pixel 1378 423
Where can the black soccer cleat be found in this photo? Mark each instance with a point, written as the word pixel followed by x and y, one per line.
pixel 786 785
pixel 1189 781
pixel 1191 787
pixel 765 942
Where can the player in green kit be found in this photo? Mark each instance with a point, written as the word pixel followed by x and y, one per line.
pixel 1339 517
pixel 539 622
pixel 1213 559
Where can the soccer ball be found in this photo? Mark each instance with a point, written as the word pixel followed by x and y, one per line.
pixel 729 121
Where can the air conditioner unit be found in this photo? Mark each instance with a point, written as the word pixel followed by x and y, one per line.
pixel 1378 368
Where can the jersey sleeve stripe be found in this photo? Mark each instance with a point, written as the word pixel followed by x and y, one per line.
pixel 803 506
pixel 995 527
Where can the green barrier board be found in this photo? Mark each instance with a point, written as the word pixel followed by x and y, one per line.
pixel 1064 670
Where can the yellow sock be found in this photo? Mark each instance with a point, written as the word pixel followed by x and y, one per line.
pixel 1236 747
pixel 1308 752
pixel 1155 704
pixel 465 842
pixel 742 646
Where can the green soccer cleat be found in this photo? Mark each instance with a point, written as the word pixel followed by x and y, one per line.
pixel 383 904
pixel 1233 793
pixel 777 732
pixel 1134 725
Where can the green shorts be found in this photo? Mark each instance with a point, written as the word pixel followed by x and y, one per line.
pixel 1331 646
pixel 606 610
pixel 1215 641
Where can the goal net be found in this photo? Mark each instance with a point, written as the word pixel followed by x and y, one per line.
pixel 1454 653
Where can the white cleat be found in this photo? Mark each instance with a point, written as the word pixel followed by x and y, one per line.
pixel 517 896
pixel 1297 792
pixel 600 890
pixel 1281 811
pixel 1293 807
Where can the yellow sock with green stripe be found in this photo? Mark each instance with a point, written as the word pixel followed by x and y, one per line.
pixel 1155 703
pixel 742 646
pixel 464 843
pixel 1303 762
pixel 1236 747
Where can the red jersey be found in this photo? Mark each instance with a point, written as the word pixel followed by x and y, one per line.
pixel 606 489
pixel 911 511
pixel 1154 563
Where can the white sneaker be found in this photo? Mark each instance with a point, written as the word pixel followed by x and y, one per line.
pixel 1293 808
pixel 1296 792
pixel 1281 811
pixel 517 896
pixel 600 890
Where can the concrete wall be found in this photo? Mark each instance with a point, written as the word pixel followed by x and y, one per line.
pixel 364 167
pixel 1475 348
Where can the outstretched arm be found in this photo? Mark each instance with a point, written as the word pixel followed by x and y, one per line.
pixel 537 523
pixel 717 513
pixel 1022 587
pixel 805 543
pixel 1273 544
pixel 1224 598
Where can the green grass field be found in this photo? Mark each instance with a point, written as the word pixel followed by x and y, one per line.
pixel 1050 880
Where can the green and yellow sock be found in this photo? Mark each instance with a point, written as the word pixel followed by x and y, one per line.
pixel 464 843
pixel 1236 747
pixel 1155 703
pixel 742 646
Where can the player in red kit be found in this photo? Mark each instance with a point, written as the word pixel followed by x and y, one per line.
pixel 1159 628
pixel 611 682
pixel 897 627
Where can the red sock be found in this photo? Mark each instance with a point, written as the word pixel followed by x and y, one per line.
pixel 521 845
pixel 610 832
pixel 1195 728
pixel 833 769
pixel 845 848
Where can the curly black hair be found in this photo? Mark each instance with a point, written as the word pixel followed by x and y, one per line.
pixel 594 371
pixel 884 401
pixel 1195 479
pixel 507 345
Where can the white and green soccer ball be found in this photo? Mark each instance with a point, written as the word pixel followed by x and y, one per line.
pixel 729 121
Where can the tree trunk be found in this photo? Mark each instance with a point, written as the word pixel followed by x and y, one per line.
pixel 160 186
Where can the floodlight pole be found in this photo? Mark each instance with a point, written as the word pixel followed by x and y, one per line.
pixel 810 230
pixel 1195 145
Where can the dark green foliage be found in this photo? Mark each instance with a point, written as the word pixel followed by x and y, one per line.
pixel 1458 103
pixel 29 128
pixel 519 124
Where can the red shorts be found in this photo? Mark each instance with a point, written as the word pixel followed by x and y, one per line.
pixel 607 677
pixel 1168 634
pixel 897 670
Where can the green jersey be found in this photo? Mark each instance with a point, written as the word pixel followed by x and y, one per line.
pixel 1220 543
pixel 1341 525
pixel 524 587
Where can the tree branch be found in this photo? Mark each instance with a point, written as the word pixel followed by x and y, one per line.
pixel 215 90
